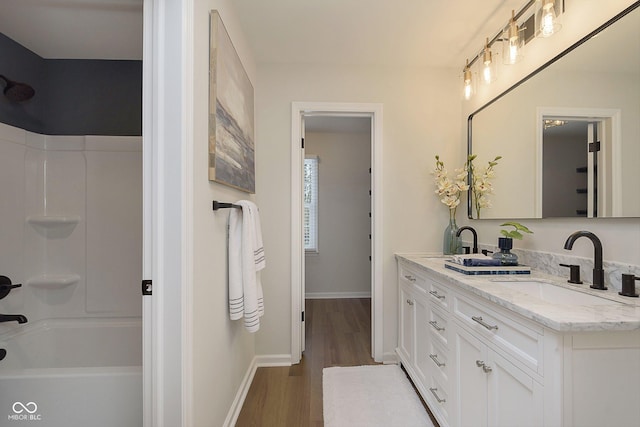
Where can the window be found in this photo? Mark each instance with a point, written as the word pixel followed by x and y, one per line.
pixel 311 204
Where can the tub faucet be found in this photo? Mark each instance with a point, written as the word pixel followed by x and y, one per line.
pixel 13 318
pixel 598 272
pixel 475 237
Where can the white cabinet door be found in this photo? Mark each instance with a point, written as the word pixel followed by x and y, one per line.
pixel 470 379
pixel 514 398
pixel 407 324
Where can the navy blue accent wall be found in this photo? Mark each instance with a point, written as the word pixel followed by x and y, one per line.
pixel 73 96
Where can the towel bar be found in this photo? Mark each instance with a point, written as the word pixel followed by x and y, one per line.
pixel 222 205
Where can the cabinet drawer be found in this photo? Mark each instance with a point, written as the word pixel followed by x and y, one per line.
pixel 438 360
pixel 439 295
pixel 525 343
pixel 438 325
pixel 410 276
pixel 438 399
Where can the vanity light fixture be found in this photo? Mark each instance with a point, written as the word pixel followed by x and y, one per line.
pixel 547 19
pixel 512 41
pixel 468 82
pixel 546 16
pixel 488 64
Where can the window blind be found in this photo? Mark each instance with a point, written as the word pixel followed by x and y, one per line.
pixel 311 203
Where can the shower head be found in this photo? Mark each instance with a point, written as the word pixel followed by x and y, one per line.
pixel 16 91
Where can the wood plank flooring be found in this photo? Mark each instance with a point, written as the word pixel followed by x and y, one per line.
pixel 338 333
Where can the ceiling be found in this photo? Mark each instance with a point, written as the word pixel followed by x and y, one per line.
pixel 357 32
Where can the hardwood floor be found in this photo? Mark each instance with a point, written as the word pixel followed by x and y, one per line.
pixel 338 333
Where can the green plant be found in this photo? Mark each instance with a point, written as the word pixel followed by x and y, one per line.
pixel 516 233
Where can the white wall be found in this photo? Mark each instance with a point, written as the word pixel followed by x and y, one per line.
pixel 341 268
pixel 222 350
pixel 421 111
pixel 620 237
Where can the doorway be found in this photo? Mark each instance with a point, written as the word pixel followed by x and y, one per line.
pixel 301 112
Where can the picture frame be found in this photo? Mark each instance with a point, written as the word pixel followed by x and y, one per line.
pixel 231 113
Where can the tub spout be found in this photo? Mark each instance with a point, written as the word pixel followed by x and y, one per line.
pixel 13 318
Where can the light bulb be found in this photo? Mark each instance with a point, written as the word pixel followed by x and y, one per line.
pixel 487 60
pixel 512 42
pixel 468 82
pixel 548 21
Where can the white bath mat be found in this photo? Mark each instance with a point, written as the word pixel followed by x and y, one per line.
pixel 376 395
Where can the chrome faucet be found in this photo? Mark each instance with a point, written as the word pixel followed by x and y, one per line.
pixel 475 237
pixel 598 272
pixel 13 318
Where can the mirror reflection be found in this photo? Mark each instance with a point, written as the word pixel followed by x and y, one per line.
pixel 569 135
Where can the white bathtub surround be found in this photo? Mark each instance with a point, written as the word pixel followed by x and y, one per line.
pixel 549 263
pixel 74 225
pixel 72 235
pixel 84 372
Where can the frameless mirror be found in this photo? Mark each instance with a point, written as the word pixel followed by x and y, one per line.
pixel 569 133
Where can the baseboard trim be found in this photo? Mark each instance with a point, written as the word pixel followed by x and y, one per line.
pixel 332 295
pixel 273 360
pixel 243 389
pixel 241 395
pixel 390 358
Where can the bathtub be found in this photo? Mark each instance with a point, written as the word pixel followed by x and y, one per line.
pixel 72 372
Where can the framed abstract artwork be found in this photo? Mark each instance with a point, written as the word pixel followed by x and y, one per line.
pixel 231 117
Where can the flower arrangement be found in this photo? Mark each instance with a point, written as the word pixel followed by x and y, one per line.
pixel 481 185
pixel 449 189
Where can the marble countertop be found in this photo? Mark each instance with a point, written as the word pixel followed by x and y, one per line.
pixel 621 315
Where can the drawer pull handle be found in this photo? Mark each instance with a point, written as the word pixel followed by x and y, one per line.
pixel 435 325
pixel 433 391
pixel 410 278
pixel 483 323
pixel 409 302
pixel 434 357
pixel 435 294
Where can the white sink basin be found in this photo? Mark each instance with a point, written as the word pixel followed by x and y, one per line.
pixel 555 294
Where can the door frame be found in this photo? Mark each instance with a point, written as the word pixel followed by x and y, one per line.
pixel 298 111
pixel 167 212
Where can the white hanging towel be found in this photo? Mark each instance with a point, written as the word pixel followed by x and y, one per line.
pixel 246 260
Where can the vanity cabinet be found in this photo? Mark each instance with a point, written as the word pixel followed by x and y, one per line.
pixel 491 390
pixel 477 362
pixel 425 320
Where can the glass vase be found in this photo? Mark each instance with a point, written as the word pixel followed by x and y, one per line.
pixel 452 244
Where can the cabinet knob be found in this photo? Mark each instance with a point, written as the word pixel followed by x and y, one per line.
pixel 409 302
pixel 487 369
pixel 410 278
pixel 479 363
